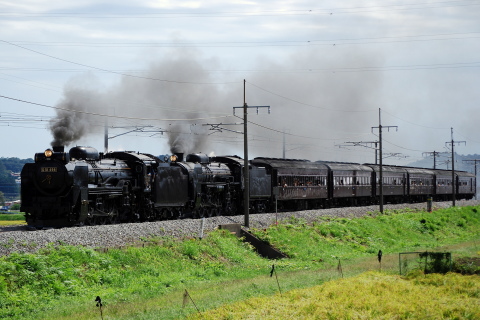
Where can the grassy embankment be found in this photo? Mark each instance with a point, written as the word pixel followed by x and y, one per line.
pixel 7 219
pixel 148 283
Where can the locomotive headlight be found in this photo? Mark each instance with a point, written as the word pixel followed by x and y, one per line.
pixel 173 158
pixel 48 153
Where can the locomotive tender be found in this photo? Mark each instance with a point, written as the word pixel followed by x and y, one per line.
pixel 84 186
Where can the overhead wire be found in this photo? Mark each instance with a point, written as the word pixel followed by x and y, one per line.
pixel 413 123
pixel 109 115
pixel 228 14
pixel 35 83
pixel 306 42
pixel 111 71
pixel 303 103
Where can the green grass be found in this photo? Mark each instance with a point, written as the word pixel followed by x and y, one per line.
pixel 12 217
pixel 332 238
pixel 148 282
pixel 8 219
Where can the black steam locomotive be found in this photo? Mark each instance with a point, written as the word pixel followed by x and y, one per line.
pixel 84 186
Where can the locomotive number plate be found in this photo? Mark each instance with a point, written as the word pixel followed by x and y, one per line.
pixel 48 169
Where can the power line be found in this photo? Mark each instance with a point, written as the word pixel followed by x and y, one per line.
pixel 453 65
pixel 305 42
pixel 226 14
pixel 302 103
pixel 416 124
pixel 39 84
pixel 111 71
pixel 109 115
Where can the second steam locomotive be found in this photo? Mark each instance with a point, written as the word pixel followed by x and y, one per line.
pixel 85 187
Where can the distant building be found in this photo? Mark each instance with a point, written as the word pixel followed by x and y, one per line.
pixel 8 204
pixel 18 179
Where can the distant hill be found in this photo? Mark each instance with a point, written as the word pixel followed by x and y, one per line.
pixel 8 186
pixel 15 164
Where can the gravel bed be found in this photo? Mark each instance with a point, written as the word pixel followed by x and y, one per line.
pixel 18 239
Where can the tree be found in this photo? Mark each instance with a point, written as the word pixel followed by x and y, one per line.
pixel 15 164
pixel 2 199
pixel 8 187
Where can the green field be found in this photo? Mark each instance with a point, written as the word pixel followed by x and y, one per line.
pixel 149 282
pixel 12 218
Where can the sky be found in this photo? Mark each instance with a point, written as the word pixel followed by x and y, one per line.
pixel 167 76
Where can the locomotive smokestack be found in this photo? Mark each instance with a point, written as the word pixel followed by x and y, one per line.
pixel 58 148
pixel 179 156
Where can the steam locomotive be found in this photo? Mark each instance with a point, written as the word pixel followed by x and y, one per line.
pixel 85 187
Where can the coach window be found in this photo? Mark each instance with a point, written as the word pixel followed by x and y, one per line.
pixel 322 181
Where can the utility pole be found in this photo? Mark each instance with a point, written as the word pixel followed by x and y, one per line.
pixel 475 162
pixel 380 149
pixel 434 154
pixel 452 144
pixel 246 168
pixel 366 144
pixel 106 136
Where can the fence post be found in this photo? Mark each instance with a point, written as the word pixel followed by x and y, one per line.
pixel 429 204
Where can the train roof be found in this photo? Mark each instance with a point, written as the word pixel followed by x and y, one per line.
pixel 387 168
pixel 411 170
pixel 446 172
pixel 278 163
pixel 465 174
pixel 442 172
pixel 438 172
pixel 346 166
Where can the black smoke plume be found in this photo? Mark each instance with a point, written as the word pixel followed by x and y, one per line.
pixel 179 93
pixel 75 116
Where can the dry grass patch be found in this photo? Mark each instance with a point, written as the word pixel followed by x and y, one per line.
pixel 371 295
